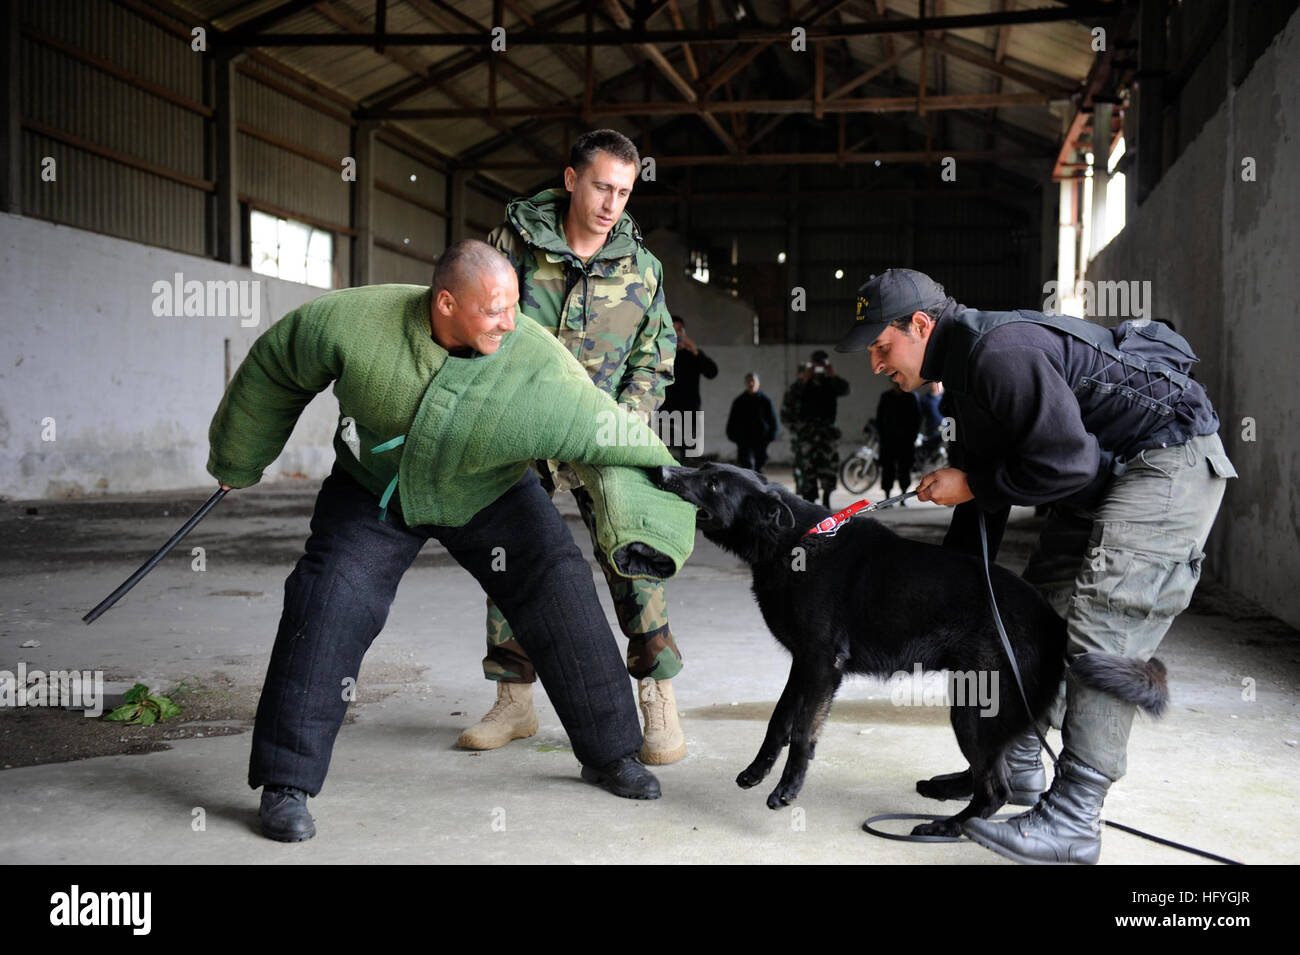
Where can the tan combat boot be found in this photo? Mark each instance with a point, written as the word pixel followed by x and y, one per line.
pixel 664 742
pixel 511 717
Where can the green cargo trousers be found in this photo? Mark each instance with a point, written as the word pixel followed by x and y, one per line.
pixel 640 605
pixel 1119 575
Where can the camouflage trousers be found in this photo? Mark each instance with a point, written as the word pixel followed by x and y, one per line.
pixel 640 605
pixel 816 459
pixel 1121 573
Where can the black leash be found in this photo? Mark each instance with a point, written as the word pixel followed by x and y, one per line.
pixel 929 817
pixel 1006 643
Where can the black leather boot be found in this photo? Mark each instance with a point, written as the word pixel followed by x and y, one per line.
pixel 1025 773
pixel 284 814
pixel 1064 828
pixel 624 777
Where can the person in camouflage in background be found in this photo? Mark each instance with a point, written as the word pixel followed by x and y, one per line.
pixel 792 417
pixel 811 404
pixel 585 276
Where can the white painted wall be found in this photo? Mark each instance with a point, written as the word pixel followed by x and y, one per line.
pixel 1224 258
pixel 131 394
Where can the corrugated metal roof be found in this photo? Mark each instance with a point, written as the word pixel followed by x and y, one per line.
pixel 1053 51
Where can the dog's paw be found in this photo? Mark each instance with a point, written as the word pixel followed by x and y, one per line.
pixel 947 786
pixel 752 775
pixel 781 796
pixel 944 827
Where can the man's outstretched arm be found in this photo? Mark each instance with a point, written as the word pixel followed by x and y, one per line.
pixel 287 366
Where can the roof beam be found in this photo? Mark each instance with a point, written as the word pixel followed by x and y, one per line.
pixel 348 22
pixel 874 72
pixel 243 32
pixel 724 34
pixel 962 50
pixel 567 57
pixel 683 86
pixel 815 159
pixel 875 104
pixel 467 60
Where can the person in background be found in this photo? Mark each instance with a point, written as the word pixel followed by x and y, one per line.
pixel 929 396
pixel 751 425
pixel 817 432
pixel 683 395
pixel 898 421
pixel 791 415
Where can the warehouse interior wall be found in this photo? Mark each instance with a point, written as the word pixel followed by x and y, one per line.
pixel 1220 244
pixel 102 395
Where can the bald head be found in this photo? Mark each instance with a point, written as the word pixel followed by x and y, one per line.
pixel 467 264
pixel 475 294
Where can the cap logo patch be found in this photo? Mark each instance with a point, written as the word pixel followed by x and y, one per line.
pixel 862 308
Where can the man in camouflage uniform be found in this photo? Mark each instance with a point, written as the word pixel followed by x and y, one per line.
pixel 792 417
pixel 584 275
pixel 817 452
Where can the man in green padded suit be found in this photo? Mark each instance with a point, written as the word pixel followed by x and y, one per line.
pixel 444 401
pixel 585 276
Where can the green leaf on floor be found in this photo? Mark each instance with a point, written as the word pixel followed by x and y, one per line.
pixel 141 709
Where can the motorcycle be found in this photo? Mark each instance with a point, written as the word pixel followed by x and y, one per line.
pixel 861 469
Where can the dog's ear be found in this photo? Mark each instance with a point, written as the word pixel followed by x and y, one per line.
pixel 772 511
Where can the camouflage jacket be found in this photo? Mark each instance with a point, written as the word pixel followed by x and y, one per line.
pixel 792 405
pixel 610 313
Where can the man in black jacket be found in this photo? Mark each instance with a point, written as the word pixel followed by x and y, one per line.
pixel 751 425
pixel 683 395
pixel 1108 426
pixel 898 421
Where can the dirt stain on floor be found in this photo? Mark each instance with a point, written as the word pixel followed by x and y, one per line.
pixel 214 704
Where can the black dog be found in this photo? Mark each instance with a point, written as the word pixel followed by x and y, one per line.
pixel 869 601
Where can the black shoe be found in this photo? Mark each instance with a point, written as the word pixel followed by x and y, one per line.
pixel 284 814
pixel 826 500
pixel 624 777
pixel 1025 774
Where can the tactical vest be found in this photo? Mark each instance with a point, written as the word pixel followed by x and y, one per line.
pixel 1132 382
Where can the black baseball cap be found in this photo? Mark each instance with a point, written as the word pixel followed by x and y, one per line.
pixel 894 294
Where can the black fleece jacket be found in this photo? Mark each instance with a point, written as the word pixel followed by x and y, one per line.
pixel 1020 433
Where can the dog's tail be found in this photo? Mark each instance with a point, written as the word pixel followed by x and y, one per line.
pixel 1141 683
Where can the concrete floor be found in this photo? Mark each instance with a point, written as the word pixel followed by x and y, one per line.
pixel 399 791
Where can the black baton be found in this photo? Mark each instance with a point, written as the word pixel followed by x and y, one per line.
pixel 163 551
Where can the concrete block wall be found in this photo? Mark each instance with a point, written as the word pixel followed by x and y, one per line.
pixel 1223 255
pixel 130 393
